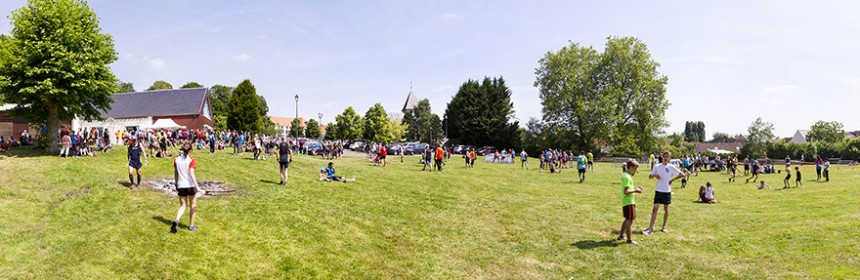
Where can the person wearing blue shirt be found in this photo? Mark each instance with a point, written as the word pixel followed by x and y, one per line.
pixel 329 174
pixel 581 162
pixel 212 142
pixel 241 143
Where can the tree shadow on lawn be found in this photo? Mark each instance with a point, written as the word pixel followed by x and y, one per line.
pixel 26 152
pixel 591 244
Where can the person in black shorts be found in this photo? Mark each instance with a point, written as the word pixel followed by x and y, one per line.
pixel 787 177
pixel 134 164
pixel 797 179
pixel 285 156
pixel 754 176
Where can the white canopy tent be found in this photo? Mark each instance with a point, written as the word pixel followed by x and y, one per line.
pixel 720 151
pixel 166 124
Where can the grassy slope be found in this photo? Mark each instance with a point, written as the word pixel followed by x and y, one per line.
pixel 71 218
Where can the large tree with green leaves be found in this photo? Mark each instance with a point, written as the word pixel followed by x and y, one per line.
pixel 379 128
pixel 614 99
pixel 296 127
pixel 125 87
pixel 56 65
pixel 823 131
pixel 480 114
pixel 422 125
pixel 244 108
pixel 192 85
pixel 160 85
pixel 760 133
pixel 219 97
pixel 313 129
pixel 349 125
pixel 331 132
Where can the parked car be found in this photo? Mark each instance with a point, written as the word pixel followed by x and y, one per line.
pixel 415 148
pixel 461 149
pixel 357 146
pixel 486 150
pixel 314 148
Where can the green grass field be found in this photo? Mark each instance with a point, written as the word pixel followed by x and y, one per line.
pixel 73 219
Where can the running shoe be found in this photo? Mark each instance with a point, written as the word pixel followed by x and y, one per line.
pixel 620 238
pixel 193 228
pixel 664 231
pixel 647 231
pixel 173 227
pixel 631 242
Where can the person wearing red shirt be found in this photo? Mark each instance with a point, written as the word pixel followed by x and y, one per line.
pixel 383 153
pixel 439 155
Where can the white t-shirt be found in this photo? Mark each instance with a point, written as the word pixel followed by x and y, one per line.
pixel 183 164
pixel 709 192
pixel 666 172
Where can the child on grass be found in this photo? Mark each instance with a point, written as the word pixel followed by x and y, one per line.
pixel 628 205
pixel 706 193
pixel 763 185
pixel 787 177
pixel 797 179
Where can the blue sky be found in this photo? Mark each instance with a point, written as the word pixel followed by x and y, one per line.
pixel 728 62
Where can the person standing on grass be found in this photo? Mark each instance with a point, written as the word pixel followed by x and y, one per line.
pixel 797 177
pixel 285 156
pixel 186 186
pixel 428 158
pixel 827 170
pixel 383 154
pixel 581 163
pixel 440 154
pixel 134 152
pixel 785 181
pixel 755 171
pixel 651 161
pixel 665 174
pixel 590 157
pixel 474 156
pixel 818 163
pixel 402 152
pixel 628 204
pixel 524 159
pixel 211 142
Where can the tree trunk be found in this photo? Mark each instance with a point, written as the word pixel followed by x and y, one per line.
pixel 53 123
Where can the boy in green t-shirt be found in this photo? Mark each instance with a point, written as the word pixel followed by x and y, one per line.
pixel 628 205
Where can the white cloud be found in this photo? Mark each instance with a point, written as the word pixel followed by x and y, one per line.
pixel 156 63
pixel 781 89
pixel 242 57
pixel 852 82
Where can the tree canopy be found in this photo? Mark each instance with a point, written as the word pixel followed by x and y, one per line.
pixel 244 108
pixel 56 64
pixel 349 125
pixel 480 114
pixel 192 85
pixel 695 131
pixel 379 128
pixel 614 99
pixel 219 98
pixel 422 125
pixel 125 87
pixel 823 131
pixel 296 127
pixel 312 130
pixel 160 85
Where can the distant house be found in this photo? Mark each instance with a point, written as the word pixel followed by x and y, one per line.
pixel 799 136
pixel 284 125
pixel 188 108
pixel 10 125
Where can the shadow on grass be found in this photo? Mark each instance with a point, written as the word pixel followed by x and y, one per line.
pixel 26 152
pixel 591 244
pixel 166 221
pixel 125 184
pixel 268 182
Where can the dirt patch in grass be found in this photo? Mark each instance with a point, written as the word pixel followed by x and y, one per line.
pixel 209 188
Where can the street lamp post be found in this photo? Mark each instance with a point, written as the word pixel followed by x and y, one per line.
pixel 297 121
pixel 320 126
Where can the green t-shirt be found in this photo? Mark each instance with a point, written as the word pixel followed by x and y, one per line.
pixel 589 156
pixel 626 182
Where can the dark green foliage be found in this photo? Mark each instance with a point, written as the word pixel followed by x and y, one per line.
pixel 422 125
pixel 160 85
pixel 695 131
pixel 296 127
pixel 313 129
pixel 125 87
pixel 331 131
pixel 219 97
pixel 244 109
pixel 55 64
pixel 192 85
pixel 480 114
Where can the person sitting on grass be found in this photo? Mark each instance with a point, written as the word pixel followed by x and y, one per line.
pixel 763 185
pixel 706 193
pixel 329 174
pixel 628 205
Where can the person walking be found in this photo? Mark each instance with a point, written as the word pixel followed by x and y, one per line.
pixel 524 159
pixel 285 156
pixel 628 204
pixel 440 154
pixel 665 174
pixel 134 152
pixel 186 186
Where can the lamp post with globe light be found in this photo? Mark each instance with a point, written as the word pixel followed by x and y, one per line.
pixel 297 121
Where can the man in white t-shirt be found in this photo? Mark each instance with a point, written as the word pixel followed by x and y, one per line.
pixel 665 174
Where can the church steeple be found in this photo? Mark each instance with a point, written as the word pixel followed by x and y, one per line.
pixel 411 101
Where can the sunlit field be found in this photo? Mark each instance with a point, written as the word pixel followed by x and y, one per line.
pixel 74 218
